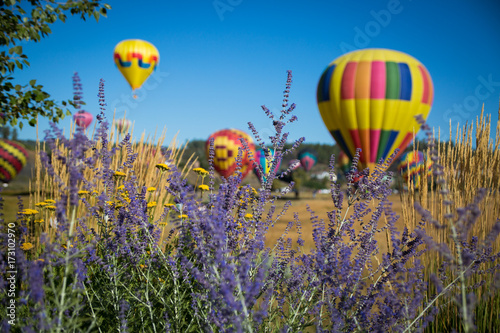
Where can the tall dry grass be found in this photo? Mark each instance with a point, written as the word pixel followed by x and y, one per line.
pixel 149 154
pixel 471 161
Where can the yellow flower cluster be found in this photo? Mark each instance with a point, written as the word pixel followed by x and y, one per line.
pixel 151 189
pixel 200 171
pixel 203 187
pixel 28 212
pixel 162 167
pixel 27 246
pixel 119 174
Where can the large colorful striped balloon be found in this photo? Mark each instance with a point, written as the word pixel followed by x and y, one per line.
pixel 307 158
pixel 226 145
pixel 369 98
pixel 136 59
pixel 265 163
pixel 413 165
pixel 13 157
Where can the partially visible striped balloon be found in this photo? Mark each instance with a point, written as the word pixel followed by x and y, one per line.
pixel 343 162
pixel 264 162
pixel 413 165
pixel 13 157
pixel 122 125
pixel 369 98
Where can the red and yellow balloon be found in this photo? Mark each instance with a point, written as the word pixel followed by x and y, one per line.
pixel 226 145
pixel 369 98
pixel 13 158
pixel 136 59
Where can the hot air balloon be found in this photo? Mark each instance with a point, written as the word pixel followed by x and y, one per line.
pixel 264 162
pixel 294 164
pixel 413 165
pixel 369 98
pixel 13 157
pixel 226 145
pixel 343 162
pixel 308 158
pixel 136 59
pixel 122 125
pixel 83 118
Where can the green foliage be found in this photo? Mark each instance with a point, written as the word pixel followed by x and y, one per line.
pixel 26 102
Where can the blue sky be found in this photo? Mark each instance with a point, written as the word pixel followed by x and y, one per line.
pixel 221 60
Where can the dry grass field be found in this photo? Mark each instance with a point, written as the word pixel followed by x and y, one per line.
pixel 320 205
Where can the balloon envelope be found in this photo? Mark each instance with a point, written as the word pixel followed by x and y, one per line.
pixel 226 145
pixel 307 158
pixel 294 164
pixel 136 59
pixel 13 157
pixel 369 98
pixel 83 119
pixel 413 166
pixel 343 162
pixel 122 125
pixel 264 162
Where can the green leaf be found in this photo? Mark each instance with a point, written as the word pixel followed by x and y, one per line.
pixel 18 87
pixel 96 15
pixel 32 82
pixel 21 125
pixel 32 122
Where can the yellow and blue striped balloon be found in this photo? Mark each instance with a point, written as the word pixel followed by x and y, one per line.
pixel 369 98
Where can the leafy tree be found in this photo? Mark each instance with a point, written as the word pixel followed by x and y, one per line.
pixel 30 20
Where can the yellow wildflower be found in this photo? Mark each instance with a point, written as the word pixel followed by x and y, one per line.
pixel 121 187
pixel 40 260
pixel 27 246
pixel 28 212
pixel 41 204
pixel 39 221
pixel 65 247
pixel 183 216
pixel 202 172
pixel 50 201
pixel 162 167
pixel 168 205
pixel 248 216
pixel 151 189
pixel 162 224
pixel 142 266
pixel 119 174
pixel 83 192
pixel 203 187
pixel 151 204
pixel 51 207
